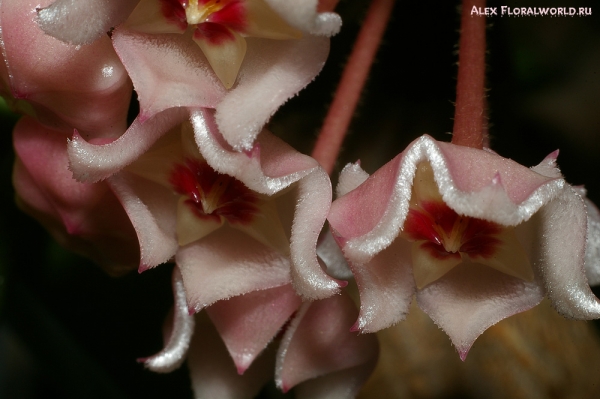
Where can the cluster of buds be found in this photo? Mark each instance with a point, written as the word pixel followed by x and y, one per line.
pixel 261 288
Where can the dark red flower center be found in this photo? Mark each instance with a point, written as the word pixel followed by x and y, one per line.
pixel 212 195
pixel 447 233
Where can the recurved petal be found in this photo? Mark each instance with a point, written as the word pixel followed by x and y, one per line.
pixel 152 211
pixel 300 187
pixel 273 71
pixel 386 285
pixel 94 162
pixel 318 343
pixel 475 183
pixel 167 70
pixel 83 21
pixel 179 334
pixel 228 263
pixel 472 297
pixel 212 371
pixel 86 218
pixel 247 323
pixel 562 255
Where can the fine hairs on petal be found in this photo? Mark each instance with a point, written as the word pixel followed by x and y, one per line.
pixel 175 351
pixel 491 200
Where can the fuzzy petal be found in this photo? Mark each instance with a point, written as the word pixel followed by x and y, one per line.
pixel 272 167
pixel 91 162
pixel 471 298
pixel 68 86
pixel 83 21
pixel 229 263
pixel 213 373
pixel 318 342
pixel 350 177
pixel 152 211
pixel 86 218
pixel 176 348
pixel 247 323
pixel 472 182
pixel 273 71
pixel 562 252
pixel 386 285
pixel 182 78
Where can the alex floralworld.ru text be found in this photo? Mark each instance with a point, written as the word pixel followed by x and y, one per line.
pixel 532 11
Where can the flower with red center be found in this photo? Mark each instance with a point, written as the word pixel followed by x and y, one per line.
pixel 228 219
pixel 219 27
pixel 443 239
pixel 171 64
pixel 476 236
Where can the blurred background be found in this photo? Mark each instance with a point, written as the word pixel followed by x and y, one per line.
pixel 67 330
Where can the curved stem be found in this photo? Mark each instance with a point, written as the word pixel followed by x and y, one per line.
pixel 351 84
pixel 470 119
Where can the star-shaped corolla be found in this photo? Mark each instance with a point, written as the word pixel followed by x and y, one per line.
pixel 234 222
pixel 248 339
pixel 174 69
pixel 475 236
pixel 64 86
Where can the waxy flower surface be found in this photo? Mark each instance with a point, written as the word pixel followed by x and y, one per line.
pixel 475 236
pixel 65 86
pixel 178 69
pixel 234 222
pixel 316 354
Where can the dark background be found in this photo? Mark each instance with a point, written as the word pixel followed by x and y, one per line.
pixel 69 331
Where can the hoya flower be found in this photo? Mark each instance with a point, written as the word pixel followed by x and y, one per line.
pixel 86 218
pixel 234 222
pixel 226 55
pixel 231 353
pixel 475 236
pixel 64 86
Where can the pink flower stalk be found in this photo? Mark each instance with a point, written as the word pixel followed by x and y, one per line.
pixel 64 86
pixel 234 222
pixel 178 70
pixel 86 218
pixel 475 236
pixel 316 352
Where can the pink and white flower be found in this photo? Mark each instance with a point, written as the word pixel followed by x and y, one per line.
pixel 232 354
pixel 178 69
pixel 475 236
pixel 234 222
